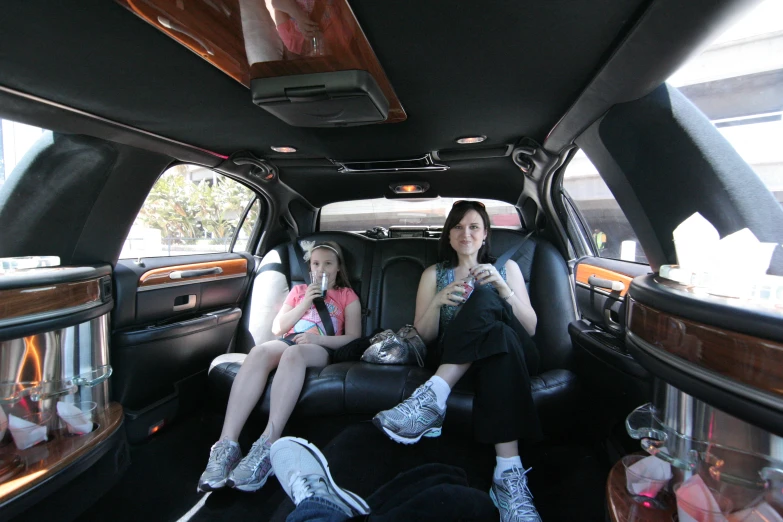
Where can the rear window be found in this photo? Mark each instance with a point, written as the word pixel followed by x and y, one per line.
pixel 361 215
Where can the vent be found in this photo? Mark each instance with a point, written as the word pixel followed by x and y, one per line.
pixel 423 163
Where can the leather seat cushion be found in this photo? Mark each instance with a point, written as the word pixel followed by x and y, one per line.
pixel 365 389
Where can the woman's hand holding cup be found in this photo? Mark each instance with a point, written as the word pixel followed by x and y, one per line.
pixel 452 295
pixel 487 275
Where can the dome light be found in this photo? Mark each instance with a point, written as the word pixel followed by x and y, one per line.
pixel 471 139
pixel 284 149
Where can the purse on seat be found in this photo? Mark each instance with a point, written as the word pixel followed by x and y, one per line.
pixel 404 347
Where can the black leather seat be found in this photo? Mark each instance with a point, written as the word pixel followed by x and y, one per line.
pixel 385 273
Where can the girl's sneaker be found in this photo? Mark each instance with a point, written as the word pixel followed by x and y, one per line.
pixel 223 458
pixel 255 468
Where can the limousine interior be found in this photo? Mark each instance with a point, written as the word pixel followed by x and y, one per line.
pixel 159 158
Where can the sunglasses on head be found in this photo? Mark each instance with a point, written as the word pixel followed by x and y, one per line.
pixel 468 202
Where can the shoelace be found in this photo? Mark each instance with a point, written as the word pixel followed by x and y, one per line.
pixel 521 497
pixel 254 457
pixel 218 456
pixel 306 486
pixel 415 402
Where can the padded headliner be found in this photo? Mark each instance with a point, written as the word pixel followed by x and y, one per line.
pixel 505 69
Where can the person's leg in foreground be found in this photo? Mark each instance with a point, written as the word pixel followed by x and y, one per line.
pixel 304 474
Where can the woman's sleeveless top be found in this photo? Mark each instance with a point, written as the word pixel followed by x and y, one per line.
pixel 444 276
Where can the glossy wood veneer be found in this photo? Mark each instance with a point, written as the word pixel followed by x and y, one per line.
pixel 750 360
pixel 622 507
pixel 21 302
pixel 162 276
pixel 584 271
pixel 44 460
pixel 200 24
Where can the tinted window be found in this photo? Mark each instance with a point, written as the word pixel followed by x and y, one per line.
pixel 191 210
pixel 358 216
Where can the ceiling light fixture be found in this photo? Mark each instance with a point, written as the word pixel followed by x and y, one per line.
pixel 471 139
pixel 412 188
pixel 284 150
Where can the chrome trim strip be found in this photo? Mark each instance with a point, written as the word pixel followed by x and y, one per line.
pixel 349 166
pixel 710 377
pixel 49 315
pixel 183 283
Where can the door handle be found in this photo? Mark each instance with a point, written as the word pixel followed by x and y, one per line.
pixel 608 284
pixel 190 304
pixel 184 274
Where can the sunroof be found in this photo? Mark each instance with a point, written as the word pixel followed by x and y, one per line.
pixel 249 39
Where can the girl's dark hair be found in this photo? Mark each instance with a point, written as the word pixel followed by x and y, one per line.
pixel 341 281
pixel 448 255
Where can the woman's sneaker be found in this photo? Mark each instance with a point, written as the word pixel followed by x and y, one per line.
pixel 304 474
pixel 513 498
pixel 255 468
pixel 416 417
pixel 223 457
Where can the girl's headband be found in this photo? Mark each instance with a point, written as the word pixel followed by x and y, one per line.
pixel 309 246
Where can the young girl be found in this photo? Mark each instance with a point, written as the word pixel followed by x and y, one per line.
pixel 305 344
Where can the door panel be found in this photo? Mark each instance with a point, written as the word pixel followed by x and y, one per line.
pixel 599 336
pixel 174 315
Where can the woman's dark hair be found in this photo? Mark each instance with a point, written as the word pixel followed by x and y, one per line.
pixel 448 255
pixel 341 281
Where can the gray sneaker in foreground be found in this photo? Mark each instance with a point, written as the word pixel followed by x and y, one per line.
pixel 304 473
pixel 513 498
pixel 251 473
pixel 417 416
pixel 223 457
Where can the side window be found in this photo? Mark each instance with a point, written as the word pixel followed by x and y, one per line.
pixel 193 210
pixel 607 227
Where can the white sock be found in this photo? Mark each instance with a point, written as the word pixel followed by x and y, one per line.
pixel 506 463
pixel 441 389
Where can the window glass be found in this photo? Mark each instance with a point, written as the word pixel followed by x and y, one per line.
pixel 358 216
pixel 246 230
pixel 190 210
pixel 610 232
pixel 15 140
pixel 738 83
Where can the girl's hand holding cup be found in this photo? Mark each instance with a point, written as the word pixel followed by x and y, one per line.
pixel 452 295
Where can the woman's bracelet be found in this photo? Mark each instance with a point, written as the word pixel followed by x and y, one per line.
pixel 508 296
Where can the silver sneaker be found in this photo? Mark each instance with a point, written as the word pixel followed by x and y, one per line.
pixel 304 473
pixel 417 416
pixel 255 468
pixel 513 498
pixel 223 457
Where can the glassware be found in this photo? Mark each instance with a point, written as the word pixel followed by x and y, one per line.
pixel 33 429
pixel 78 418
pixel 643 485
pixel 702 509
pixel 469 283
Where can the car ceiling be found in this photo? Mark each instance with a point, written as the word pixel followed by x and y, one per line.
pixel 504 69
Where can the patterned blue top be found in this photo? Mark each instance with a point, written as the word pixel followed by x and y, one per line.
pixel 444 277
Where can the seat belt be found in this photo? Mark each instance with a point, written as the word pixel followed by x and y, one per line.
pixel 505 256
pixel 318 302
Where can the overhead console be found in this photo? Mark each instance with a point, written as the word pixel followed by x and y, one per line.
pixel 325 78
pixel 331 99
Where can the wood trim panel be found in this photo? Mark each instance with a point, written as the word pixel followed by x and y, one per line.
pixel 45 460
pixel 750 360
pixel 161 276
pixel 218 37
pixel 622 507
pixel 584 271
pixel 20 302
